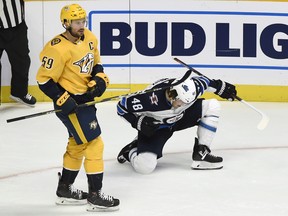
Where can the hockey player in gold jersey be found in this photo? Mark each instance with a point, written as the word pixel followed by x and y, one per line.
pixel 71 74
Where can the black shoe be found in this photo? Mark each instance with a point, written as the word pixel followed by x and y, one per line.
pixel 203 159
pixel 123 155
pixel 27 99
pixel 68 195
pixel 98 201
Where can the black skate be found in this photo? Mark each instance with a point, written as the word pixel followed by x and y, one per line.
pixel 68 195
pixel 203 160
pixel 98 201
pixel 123 155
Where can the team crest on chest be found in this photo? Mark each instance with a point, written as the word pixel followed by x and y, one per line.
pixel 86 63
pixel 154 99
pixel 93 125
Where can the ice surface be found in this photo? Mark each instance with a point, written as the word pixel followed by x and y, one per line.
pixel 253 181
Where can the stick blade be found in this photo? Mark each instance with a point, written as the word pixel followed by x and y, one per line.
pixel 263 123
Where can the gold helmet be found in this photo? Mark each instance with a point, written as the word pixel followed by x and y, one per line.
pixel 72 12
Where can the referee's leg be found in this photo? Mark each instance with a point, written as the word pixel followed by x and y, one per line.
pixel 18 54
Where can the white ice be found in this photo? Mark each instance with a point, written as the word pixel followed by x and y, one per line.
pixel 253 182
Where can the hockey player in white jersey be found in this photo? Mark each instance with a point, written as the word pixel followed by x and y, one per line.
pixel 158 114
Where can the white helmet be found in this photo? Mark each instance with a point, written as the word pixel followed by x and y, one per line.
pixel 186 91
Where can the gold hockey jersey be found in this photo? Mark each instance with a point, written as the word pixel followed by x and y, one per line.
pixel 69 64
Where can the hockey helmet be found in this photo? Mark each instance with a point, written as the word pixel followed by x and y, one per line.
pixel 186 91
pixel 72 12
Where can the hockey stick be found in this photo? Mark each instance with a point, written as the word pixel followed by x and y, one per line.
pixel 264 118
pixel 55 111
pixel 90 103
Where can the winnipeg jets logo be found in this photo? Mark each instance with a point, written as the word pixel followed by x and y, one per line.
pixel 86 63
pixel 154 99
pixel 185 87
pixel 93 125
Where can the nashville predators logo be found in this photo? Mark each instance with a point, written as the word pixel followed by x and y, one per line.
pixel 93 125
pixel 86 63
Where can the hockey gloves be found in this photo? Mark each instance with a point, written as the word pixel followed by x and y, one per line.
pixel 146 125
pixel 66 103
pixel 225 90
pixel 97 85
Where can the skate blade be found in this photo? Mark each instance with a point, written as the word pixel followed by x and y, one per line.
pixel 94 208
pixel 69 201
pixel 203 165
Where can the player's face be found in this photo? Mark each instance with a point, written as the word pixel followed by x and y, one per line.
pixel 177 103
pixel 77 27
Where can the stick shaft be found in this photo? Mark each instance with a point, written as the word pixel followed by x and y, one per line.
pixel 199 73
pixel 265 119
pixel 32 115
pixel 55 111
pixel 186 75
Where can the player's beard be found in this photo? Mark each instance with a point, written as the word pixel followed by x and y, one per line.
pixel 77 34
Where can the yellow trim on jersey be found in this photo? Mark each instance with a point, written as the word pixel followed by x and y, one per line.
pixel 74 120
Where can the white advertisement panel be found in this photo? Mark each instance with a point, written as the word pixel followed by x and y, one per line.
pixel 243 42
pixel 238 41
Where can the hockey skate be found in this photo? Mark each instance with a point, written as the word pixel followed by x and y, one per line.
pixel 98 201
pixel 68 195
pixel 203 160
pixel 123 155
